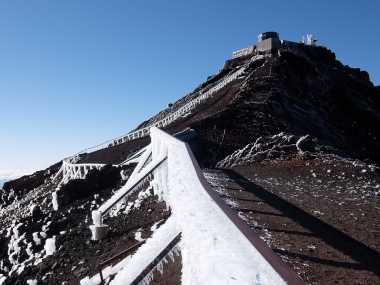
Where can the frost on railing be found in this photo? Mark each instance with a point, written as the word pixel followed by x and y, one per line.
pixel 70 170
pixel 208 235
pixel 163 122
pixel 75 171
pixel 210 238
pixel 143 172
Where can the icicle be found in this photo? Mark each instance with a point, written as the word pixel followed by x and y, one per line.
pixel 177 249
pixel 164 177
pixel 160 267
pixel 147 278
pixel 157 190
pixel 125 198
pixel 163 150
pixel 171 256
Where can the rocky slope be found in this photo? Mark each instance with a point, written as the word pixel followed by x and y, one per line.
pixel 298 107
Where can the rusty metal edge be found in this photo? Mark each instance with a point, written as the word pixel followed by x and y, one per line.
pixel 101 265
pixel 120 254
pixel 273 259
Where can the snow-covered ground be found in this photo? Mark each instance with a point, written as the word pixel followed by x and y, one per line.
pixel 213 249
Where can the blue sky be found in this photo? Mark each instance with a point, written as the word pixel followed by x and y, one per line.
pixel 74 74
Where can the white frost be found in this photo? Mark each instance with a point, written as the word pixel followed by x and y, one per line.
pixel 50 246
pixel 214 251
pixel 54 201
pixel 138 236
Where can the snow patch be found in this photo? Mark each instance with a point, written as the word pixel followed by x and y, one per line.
pixel 50 246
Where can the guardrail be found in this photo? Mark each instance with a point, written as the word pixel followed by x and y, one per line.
pixel 157 260
pixel 163 122
pixel 212 234
pixel 75 171
pixel 79 171
pixel 185 181
pixel 117 256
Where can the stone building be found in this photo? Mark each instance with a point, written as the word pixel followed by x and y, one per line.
pixel 265 41
pixel 268 40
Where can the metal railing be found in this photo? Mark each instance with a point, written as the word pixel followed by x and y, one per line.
pixel 157 260
pixel 181 178
pixel 75 171
pixel 163 122
pixel 129 188
pixel 179 153
pixel 117 256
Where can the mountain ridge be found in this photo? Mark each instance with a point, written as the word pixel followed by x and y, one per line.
pixel 293 110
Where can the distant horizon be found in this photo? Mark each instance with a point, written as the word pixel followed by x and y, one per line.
pixel 75 74
pixel 2 181
pixel 28 172
pixel 12 174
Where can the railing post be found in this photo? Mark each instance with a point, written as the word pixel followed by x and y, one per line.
pixel 163 122
pixel 101 275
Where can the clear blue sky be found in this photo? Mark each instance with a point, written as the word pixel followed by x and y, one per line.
pixel 74 74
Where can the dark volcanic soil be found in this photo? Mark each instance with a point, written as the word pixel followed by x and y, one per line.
pixel 77 255
pixel 320 216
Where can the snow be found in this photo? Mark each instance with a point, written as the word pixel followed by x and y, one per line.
pixel 32 282
pixel 138 236
pixel 129 268
pixel 137 175
pixel 54 201
pixel 2 278
pixel 213 248
pixel 97 218
pixel 32 208
pixel 154 227
pixel 15 230
pixel 123 177
pixel 50 246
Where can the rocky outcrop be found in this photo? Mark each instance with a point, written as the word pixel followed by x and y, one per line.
pixel 96 180
pixel 300 105
pixel 270 147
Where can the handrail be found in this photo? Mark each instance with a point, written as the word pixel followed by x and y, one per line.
pixel 210 229
pixel 128 250
pixel 133 156
pixel 157 260
pixel 131 187
pixel 163 122
pixel 175 150
pixel 273 259
pixel 72 171
pixel 67 167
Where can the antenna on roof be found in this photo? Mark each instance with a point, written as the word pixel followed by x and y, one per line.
pixel 311 40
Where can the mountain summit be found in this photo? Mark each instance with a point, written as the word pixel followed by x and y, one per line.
pixel 286 135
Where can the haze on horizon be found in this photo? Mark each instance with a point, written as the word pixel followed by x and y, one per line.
pixel 76 74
